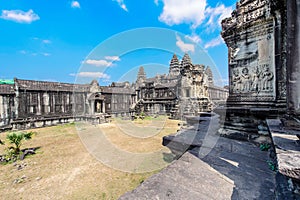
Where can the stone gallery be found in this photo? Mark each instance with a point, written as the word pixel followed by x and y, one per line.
pixel 187 89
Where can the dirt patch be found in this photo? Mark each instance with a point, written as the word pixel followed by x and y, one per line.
pixel 63 169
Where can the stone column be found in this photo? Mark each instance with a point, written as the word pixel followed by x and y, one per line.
pixel 39 106
pixel 84 104
pixel 293 58
pixel 103 106
pixel 92 107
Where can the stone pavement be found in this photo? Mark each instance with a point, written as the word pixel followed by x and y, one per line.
pixel 231 170
pixel 287 147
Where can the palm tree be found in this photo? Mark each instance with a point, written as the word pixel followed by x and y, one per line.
pixel 17 138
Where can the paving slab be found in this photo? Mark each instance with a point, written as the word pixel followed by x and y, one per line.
pixel 229 170
pixel 287 147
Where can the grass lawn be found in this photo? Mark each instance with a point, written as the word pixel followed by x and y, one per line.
pixel 63 168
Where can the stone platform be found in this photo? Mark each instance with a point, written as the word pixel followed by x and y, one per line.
pixel 287 148
pixel 230 170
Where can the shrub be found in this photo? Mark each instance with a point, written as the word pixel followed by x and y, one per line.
pixel 265 147
pixel 272 166
pixel 16 138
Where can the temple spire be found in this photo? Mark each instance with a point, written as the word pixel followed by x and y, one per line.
pixel 141 76
pixel 174 66
pixel 186 60
pixel 209 74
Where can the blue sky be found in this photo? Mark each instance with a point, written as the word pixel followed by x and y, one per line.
pixel 108 40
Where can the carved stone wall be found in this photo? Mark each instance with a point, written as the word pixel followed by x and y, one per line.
pixel 255 40
pixel 256 37
pixel 252 68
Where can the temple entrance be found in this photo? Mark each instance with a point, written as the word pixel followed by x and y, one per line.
pixel 98 106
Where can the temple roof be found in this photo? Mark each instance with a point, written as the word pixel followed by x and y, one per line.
pixel 166 85
pixel 150 80
pixel 6 81
pixel 6 89
pixel 50 86
pixel 117 90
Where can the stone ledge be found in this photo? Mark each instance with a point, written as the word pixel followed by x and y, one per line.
pixel 287 148
pixel 230 170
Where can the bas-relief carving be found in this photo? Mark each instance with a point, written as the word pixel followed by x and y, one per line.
pixel 252 68
pixel 247 11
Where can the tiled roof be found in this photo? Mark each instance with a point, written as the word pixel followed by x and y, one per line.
pixel 6 81
pixel 150 80
pixel 50 86
pixel 6 89
pixel 117 90
pixel 166 85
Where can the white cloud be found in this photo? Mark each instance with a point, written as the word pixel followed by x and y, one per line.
pixel 113 58
pixel 75 4
pixel 19 16
pixel 188 11
pixel 217 14
pixel 107 62
pixel 214 42
pixel 46 41
pixel 195 38
pixel 98 63
pixel 122 4
pixel 193 12
pixel 185 47
pixel 92 75
pixel 46 54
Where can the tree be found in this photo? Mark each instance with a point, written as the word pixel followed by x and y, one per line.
pixel 16 138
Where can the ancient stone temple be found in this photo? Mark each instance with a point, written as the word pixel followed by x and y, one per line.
pixel 187 89
pixel 256 37
pixel 264 90
pixel 29 104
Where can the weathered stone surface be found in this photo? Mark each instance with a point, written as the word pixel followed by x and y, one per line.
pixel 256 38
pixel 199 131
pixel 293 56
pixel 187 89
pixel 287 147
pixel 230 170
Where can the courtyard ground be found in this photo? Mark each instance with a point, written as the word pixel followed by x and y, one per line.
pixel 64 169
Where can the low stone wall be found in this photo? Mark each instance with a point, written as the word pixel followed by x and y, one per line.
pixel 29 123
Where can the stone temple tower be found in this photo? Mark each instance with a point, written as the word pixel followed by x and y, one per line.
pixel 174 70
pixel 210 77
pixel 186 63
pixel 141 76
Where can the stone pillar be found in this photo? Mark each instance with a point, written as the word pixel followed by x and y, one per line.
pixel 293 57
pixel 103 106
pixel 255 35
pixel 84 104
pixel 46 103
pixel 39 102
pixel 92 107
pixel 2 113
